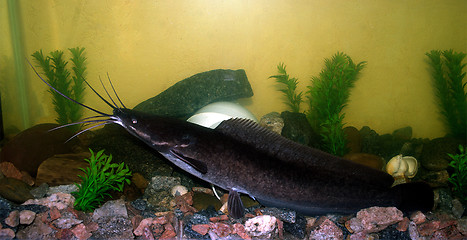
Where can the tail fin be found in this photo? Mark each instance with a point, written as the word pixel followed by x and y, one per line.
pixel 415 196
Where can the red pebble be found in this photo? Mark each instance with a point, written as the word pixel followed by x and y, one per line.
pixel 239 229
pixel 54 213
pixel 221 229
pixel 160 220
pixel 81 232
pixel 64 234
pixel 223 217
pixel 428 228
pixel 201 228
pixel 403 225
pixel 214 219
pixel 168 234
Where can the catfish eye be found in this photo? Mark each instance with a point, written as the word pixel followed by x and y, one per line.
pixel 134 121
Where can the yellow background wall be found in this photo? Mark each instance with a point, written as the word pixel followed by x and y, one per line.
pixel 147 46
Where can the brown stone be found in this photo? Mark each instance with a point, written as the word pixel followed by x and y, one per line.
pixel 15 190
pixel 140 182
pixel 7 233
pixel 13 219
pixel 26 217
pixel 9 170
pixel 366 159
pixel 62 169
pixel 31 147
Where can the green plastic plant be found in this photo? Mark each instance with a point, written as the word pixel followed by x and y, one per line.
pixel 328 95
pixel 447 71
pixel 289 89
pixel 459 178
pixel 100 177
pixel 59 77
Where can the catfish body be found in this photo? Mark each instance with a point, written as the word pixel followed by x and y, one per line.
pixel 241 156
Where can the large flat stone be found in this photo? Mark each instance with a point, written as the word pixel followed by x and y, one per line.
pixel 187 96
pixel 62 169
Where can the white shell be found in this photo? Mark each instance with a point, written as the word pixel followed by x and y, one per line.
pixel 213 114
pixel 402 166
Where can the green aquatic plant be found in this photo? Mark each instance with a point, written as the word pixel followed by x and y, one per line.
pixel 290 86
pixel 458 179
pixel 328 95
pixel 100 177
pixel 447 73
pixel 59 77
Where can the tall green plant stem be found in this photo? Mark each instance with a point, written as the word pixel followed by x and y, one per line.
pixel 448 75
pixel 289 88
pixel 55 69
pixel 328 95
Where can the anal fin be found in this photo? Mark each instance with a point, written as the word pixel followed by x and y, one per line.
pixel 235 205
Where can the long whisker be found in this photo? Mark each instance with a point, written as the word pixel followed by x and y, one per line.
pixel 105 89
pixel 87 129
pixel 81 122
pixel 103 99
pixel 115 92
pixel 65 96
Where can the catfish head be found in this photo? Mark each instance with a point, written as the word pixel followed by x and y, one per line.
pixel 175 139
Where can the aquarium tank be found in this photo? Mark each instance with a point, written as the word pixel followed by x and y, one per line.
pixel 306 107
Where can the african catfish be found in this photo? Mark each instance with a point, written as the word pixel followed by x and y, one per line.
pixel 243 157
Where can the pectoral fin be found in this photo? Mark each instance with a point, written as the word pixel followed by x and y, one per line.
pixel 196 164
pixel 235 205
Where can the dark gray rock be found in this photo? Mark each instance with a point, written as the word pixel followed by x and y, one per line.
pixel 444 199
pixel 297 129
pixel 187 96
pixel 370 141
pixel 282 214
pixel 298 229
pixel 197 218
pixel 392 233
pixel 40 191
pixel 113 228
pixel 403 134
pixel 435 153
